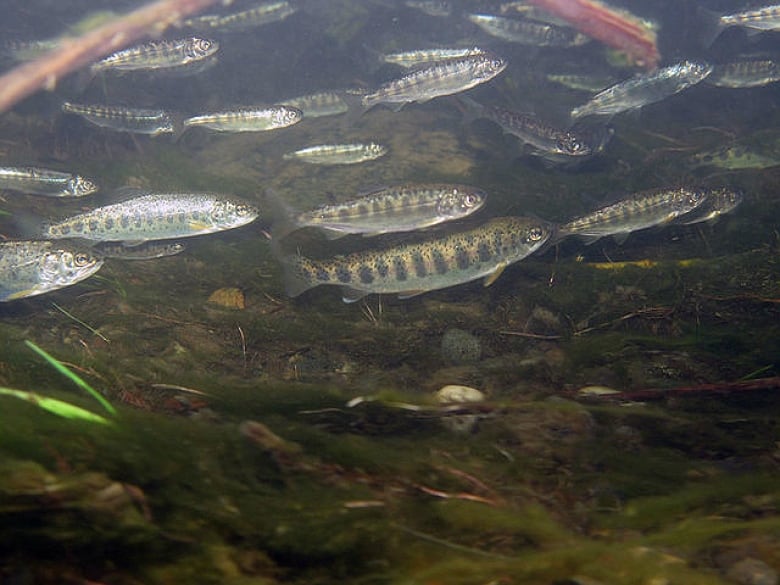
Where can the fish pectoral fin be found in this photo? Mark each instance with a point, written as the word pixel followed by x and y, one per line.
pixel 198 225
pixel 332 234
pixel 351 295
pixel 21 294
pixel 408 294
pixel 493 276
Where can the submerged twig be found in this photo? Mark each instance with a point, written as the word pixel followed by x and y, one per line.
pixel 72 54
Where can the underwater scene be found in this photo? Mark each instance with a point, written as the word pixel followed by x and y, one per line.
pixel 415 292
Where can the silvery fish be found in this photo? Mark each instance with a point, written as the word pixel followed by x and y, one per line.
pixel 637 212
pixel 40 181
pixel 442 78
pixel 390 209
pixel 411 269
pixel 544 138
pixel 644 89
pixel 745 73
pixel 765 18
pixel 584 82
pixel 322 103
pixel 417 57
pixel 431 7
pixel 248 119
pixel 170 56
pixel 263 13
pixel 146 251
pixel 134 120
pixel 718 202
pixel 31 267
pixel 528 32
pixel 338 154
pixel 28 50
pixel 155 216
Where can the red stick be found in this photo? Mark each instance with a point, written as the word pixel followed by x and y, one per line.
pixel 72 54
pixel 614 28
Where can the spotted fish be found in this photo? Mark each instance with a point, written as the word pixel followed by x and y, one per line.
pixel 34 267
pixel 435 263
pixel 639 211
pixel 248 119
pixel 134 120
pixel 39 181
pixel 338 154
pixel 386 210
pixel 155 216
pixel 438 79
pixel 187 55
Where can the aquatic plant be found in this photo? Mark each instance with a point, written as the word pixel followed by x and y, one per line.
pixel 60 407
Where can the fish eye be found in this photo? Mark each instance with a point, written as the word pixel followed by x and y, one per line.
pixel 470 200
pixel 81 259
pixel 535 234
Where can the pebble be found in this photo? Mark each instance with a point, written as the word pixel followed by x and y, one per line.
pixel 459 347
pixel 456 394
pixel 752 571
pixel 229 298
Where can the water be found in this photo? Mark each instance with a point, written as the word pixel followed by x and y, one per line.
pixel 541 483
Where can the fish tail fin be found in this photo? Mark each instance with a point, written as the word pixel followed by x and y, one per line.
pixel 710 26
pixel 282 215
pixel 355 107
pixel 30 225
pixel 471 109
pixel 295 269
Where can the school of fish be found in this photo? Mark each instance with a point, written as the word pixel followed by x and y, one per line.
pixel 440 234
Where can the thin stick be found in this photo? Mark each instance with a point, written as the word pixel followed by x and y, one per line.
pixel 82 323
pixel 73 54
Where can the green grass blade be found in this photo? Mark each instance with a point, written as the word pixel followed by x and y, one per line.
pixel 60 367
pixel 58 407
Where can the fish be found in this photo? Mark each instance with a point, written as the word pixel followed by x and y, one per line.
pixel 34 267
pixel 414 268
pixel 40 181
pixel 618 29
pixel 154 216
pixel 338 154
pixel 764 18
pixel 417 57
pixel 734 157
pixel 431 7
pixel 528 32
pixel 179 55
pixel 745 73
pixel 442 78
pixel 319 104
pixel 263 13
pixel 21 50
pixel 133 120
pixel 638 211
pixel 146 251
pixel 386 210
pixel 586 82
pixel 718 202
pixel 644 89
pixel 546 140
pixel 248 119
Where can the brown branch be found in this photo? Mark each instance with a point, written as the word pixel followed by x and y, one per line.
pixel 73 54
